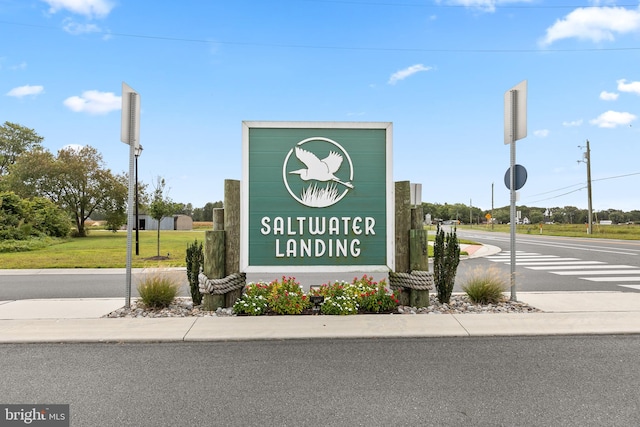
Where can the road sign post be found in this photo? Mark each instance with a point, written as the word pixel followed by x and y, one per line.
pixel 130 135
pixel 515 127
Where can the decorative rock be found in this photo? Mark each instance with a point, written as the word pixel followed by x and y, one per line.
pixel 183 307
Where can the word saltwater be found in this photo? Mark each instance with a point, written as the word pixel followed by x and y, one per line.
pixel 318 228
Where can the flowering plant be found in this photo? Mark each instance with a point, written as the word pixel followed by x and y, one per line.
pixel 254 301
pixel 287 297
pixel 374 297
pixel 339 298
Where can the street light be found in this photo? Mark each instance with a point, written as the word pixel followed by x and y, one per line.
pixel 137 152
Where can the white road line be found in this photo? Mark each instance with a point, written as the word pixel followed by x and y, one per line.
pixel 524 259
pixel 573 267
pixel 613 279
pixel 595 273
pixel 527 264
pixel 580 267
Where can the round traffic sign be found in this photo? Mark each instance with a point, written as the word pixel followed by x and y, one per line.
pixel 520 178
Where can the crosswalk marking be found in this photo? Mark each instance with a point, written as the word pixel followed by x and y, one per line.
pixel 594 271
pixel 613 279
pixel 579 267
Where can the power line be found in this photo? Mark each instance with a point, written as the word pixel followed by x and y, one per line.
pixel 583 186
pixel 460 6
pixel 344 48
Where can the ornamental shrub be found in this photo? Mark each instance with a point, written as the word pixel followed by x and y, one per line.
pixel 485 286
pixel 446 257
pixel 195 260
pixel 157 290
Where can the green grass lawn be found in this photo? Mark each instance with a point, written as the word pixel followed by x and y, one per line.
pixel 105 249
pixel 621 231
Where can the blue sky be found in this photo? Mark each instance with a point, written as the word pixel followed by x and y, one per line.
pixel 437 69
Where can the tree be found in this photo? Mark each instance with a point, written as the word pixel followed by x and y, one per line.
pixel 21 219
pixel 14 141
pixel 76 180
pixel 161 206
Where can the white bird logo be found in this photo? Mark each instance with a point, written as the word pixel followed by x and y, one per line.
pixel 319 170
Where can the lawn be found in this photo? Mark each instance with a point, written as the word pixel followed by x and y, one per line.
pixel 620 231
pixel 105 249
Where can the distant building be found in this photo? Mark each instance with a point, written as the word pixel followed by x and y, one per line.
pixel 175 222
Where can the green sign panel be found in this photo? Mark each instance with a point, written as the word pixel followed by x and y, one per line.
pixel 317 197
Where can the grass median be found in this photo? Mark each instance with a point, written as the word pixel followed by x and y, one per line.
pixel 105 249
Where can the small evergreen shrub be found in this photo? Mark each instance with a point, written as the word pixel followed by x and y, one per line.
pixel 446 257
pixel 195 261
pixel 158 291
pixel 485 285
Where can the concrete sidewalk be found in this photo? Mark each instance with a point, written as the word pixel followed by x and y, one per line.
pixel 80 320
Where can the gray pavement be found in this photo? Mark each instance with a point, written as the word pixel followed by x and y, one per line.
pixel 80 320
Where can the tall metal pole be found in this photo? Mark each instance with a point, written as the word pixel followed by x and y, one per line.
pixel 588 159
pixel 137 221
pixel 512 186
pixel 132 147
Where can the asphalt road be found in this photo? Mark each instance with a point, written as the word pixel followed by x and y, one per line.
pixel 568 381
pixel 551 263
pixel 111 283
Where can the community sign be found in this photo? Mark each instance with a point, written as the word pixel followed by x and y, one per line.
pixel 317 197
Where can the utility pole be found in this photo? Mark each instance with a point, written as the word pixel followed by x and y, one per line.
pixel 587 160
pixel 492 205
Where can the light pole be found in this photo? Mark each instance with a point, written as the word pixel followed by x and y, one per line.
pixel 137 152
pixel 587 160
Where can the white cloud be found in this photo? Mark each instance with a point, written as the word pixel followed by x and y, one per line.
pixel 633 87
pixel 74 28
pixel 594 23
pixel 409 71
pixel 485 5
pixel 94 102
pixel 572 124
pixel 541 133
pixel 88 8
pixel 26 90
pixel 612 119
pixel 608 96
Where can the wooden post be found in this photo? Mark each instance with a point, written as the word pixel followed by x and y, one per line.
pixel 232 232
pixel 419 298
pixel 418 255
pixel 232 225
pixel 417 218
pixel 403 225
pixel 218 218
pixel 213 268
pixel 418 250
